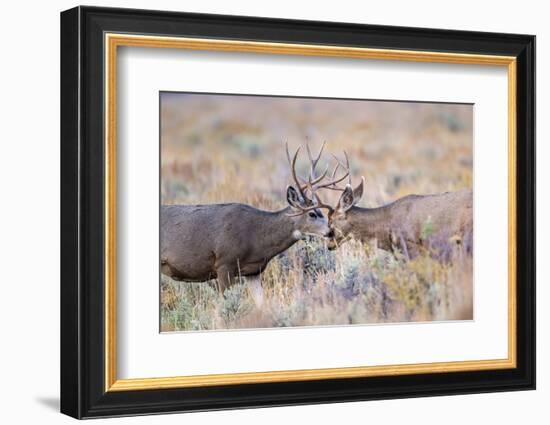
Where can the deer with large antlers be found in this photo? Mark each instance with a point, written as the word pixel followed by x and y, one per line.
pixel 405 224
pixel 224 241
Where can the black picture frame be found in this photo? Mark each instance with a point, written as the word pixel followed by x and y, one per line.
pixel 83 392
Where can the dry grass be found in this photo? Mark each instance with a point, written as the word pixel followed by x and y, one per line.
pixel 230 149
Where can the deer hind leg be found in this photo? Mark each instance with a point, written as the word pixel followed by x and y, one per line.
pixel 255 289
pixel 226 278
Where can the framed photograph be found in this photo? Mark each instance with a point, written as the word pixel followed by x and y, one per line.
pixel 261 212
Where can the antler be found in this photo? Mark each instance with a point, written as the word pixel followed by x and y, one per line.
pixel 318 203
pixel 297 180
pixel 331 184
pixel 303 210
pixel 313 164
pixel 311 182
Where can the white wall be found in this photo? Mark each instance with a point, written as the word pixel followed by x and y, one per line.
pixel 29 225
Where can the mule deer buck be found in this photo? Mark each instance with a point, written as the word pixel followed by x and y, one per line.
pixel 405 223
pixel 223 241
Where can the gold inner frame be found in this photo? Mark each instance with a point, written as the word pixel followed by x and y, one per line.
pixel 113 41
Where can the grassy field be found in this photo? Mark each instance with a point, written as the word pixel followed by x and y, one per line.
pixel 231 149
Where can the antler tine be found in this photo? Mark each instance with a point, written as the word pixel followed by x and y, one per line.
pixel 287 153
pixel 335 169
pixel 313 164
pixel 303 210
pixel 314 161
pixel 292 163
pixel 319 203
pixel 347 167
pixel 333 182
pixel 318 179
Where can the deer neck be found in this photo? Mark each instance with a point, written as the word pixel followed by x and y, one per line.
pixel 280 234
pixel 370 223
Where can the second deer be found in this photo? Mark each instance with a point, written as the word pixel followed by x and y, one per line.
pixel 405 224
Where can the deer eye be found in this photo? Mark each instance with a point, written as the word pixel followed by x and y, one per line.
pixel 312 215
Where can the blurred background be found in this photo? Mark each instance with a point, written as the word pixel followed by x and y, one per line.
pixel 230 148
pixel 227 148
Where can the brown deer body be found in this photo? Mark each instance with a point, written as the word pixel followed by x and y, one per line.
pixel 407 223
pixel 203 242
pixel 223 241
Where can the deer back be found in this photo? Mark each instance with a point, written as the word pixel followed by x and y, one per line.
pixel 414 218
pixel 197 239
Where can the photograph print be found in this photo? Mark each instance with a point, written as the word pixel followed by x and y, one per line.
pixel 292 211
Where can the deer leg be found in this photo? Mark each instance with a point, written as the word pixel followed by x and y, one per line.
pixel 255 288
pixel 226 278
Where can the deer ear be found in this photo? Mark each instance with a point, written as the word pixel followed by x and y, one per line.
pixel 346 200
pixel 293 197
pixel 358 191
